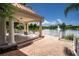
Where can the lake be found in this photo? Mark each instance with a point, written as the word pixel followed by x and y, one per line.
pixel 55 32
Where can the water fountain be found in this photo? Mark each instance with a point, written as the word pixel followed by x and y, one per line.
pixel 59 32
pixel 59 29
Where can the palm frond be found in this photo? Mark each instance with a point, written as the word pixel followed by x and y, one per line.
pixel 72 7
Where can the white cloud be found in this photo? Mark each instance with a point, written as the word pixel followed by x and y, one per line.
pixel 53 22
pixel 59 21
pixel 46 23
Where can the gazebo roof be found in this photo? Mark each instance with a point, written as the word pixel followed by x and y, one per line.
pixel 25 14
pixel 22 7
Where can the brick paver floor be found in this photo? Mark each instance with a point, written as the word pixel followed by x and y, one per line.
pixel 47 46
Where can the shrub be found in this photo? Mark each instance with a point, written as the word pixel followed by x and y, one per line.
pixel 69 37
pixel 77 38
pixel 19 26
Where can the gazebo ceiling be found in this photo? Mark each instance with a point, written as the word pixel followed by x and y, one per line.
pixel 25 14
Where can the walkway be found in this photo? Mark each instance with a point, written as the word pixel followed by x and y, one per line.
pixel 47 46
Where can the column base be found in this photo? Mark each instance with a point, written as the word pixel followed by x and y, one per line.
pixel 7 48
pixel 2 44
pixel 26 33
pixel 41 36
pixel 12 43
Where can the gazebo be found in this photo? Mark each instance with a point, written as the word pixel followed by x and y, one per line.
pixel 23 15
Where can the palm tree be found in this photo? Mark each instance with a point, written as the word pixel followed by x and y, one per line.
pixel 5 13
pixel 71 7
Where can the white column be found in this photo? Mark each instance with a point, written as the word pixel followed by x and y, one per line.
pixel 40 28
pixel 3 31
pixel 75 43
pixel 26 28
pixel 11 33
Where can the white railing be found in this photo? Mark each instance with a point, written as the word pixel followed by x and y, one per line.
pixel 75 42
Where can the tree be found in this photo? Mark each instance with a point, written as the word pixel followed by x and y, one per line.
pixel 19 26
pixel 6 10
pixel 62 26
pixel 71 7
pixel 33 27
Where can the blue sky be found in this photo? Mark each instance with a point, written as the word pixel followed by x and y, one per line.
pixel 53 12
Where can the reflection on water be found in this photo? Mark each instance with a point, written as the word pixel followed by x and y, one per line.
pixel 50 32
pixel 55 33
